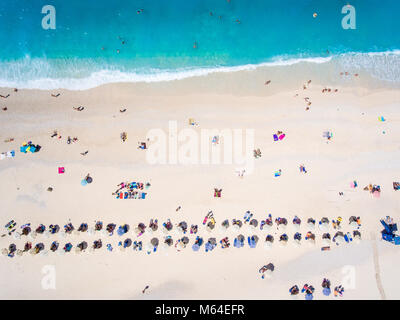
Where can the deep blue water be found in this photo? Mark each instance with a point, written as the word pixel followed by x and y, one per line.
pixel 98 41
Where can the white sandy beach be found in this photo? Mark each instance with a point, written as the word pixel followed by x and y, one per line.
pixel 359 150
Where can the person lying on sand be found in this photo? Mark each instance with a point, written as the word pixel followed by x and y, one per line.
pixel 122 111
pixel 80 108
pixel 267 82
pixel 85 153
pixel 55 95
pixel 5 97
pixel 4 109
pixel 143 291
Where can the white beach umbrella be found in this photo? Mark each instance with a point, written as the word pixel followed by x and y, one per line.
pixel 4 251
pixel 297 242
pixel 32 235
pixel 44 253
pixel 60 252
pixel 91 231
pixel 47 233
pixel 19 253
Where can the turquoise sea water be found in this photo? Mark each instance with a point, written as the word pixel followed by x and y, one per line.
pixel 97 41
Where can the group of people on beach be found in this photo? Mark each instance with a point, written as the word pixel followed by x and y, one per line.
pixel 308 290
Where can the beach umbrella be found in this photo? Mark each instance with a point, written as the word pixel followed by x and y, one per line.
pixel 253 223
pixel 155 242
pixel 270 266
pixel 208 246
pixel 89 180
pixel 83 227
pixel 54 246
pixel 326 291
pixel 127 243
pixel 83 245
pixel 68 247
pixel 239 241
pixel 225 224
pixel 4 251
pixel 168 241
pixel 210 226
pixel 122 229
pixel 98 226
pixel 185 240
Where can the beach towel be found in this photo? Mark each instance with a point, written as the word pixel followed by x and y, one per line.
pixel 277 173
pixel 144 195
pixel 275 137
pixel 83 182
pixel 23 149
pixel 282 136
pixel 61 170
pixel 8 154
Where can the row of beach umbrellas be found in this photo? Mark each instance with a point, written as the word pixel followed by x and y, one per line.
pixel 182 226
pixel 239 242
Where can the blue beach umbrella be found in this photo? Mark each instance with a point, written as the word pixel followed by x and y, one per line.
pixel 326 291
pixel 309 296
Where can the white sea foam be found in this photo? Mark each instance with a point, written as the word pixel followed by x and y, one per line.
pixel 75 74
